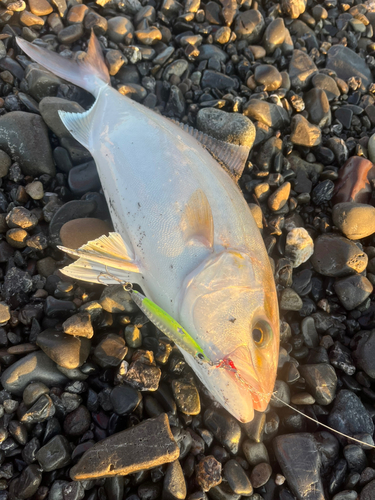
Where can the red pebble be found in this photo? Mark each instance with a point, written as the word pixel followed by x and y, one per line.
pixel 354 181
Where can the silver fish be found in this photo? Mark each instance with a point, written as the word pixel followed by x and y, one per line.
pixel 184 233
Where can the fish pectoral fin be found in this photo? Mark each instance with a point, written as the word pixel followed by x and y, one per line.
pixel 197 221
pixel 106 256
pixel 232 157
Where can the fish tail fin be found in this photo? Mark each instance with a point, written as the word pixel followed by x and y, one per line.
pixel 90 72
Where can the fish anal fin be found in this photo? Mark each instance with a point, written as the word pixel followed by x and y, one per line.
pixel 231 156
pixel 197 221
pixel 107 253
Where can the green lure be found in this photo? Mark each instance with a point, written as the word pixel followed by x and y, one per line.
pixel 168 326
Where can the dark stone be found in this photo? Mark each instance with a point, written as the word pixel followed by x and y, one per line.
pixel 84 178
pixel 77 422
pixel 215 80
pixel 224 427
pixel 349 416
pixel 125 399
pixel 55 454
pixel 346 63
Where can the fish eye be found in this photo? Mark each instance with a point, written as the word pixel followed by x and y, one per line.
pixel 262 333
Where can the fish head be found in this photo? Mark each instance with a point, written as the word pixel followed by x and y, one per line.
pixel 229 306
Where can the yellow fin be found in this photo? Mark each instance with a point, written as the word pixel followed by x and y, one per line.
pixel 197 221
pixel 106 256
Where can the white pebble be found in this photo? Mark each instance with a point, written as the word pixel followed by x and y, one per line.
pixel 299 246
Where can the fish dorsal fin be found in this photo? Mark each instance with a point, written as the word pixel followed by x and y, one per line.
pixel 231 156
pixel 197 222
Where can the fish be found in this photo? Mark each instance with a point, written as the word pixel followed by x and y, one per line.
pixel 183 234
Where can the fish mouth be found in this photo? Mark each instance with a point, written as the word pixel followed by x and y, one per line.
pixel 240 367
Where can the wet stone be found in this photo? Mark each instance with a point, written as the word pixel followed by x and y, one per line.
pixel 337 256
pixel 237 478
pixel 29 482
pixel 110 351
pixel 321 381
pixel 208 473
pixel 224 427
pixel 144 446
pixel 352 291
pixel 55 454
pixel 40 411
pixel 187 397
pixel 174 486
pixel 125 399
pixel 77 422
pixel 33 392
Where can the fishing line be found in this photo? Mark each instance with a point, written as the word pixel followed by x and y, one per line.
pixel 320 423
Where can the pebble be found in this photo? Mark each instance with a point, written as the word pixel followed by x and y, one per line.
pixel 116 300
pixel 35 367
pixel 354 181
pixel 279 198
pixel 268 113
pixel 290 300
pixel 299 246
pixel 304 133
pixel 125 399
pixel 269 76
pixel 228 127
pixel 29 482
pixel 18 130
pixel 120 28
pixel 187 397
pixel 274 36
pixel 40 411
pixel 326 83
pixel 352 291
pixel 337 256
pixel 321 381
pixel 65 350
pixel 77 422
pixel 355 220
pixel 301 69
pixel 364 352
pixel 346 63
pixel 249 26
pixel 79 325
pixel 224 427
pixel 33 392
pixel 78 232
pixel 260 475
pixel 317 106
pixel 144 446
pixel 296 454
pixel 174 485
pixel 110 351
pixel 349 416
pixel 55 454
pixel 293 8
pixel 255 453
pixel 208 473
pixel 237 478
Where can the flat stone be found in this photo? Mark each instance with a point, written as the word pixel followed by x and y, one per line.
pixel 337 256
pixel 35 367
pixel 301 69
pixel 352 291
pixel 78 232
pixel 174 485
pixel 65 350
pixel 317 105
pixel 304 133
pixel 326 83
pixel 144 446
pixel 79 325
pixel 266 112
pixel 24 136
pixel 346 63
pixel 355 220
pixel 55 454
pixel 110 351
pixel 228 127
pixel 299 459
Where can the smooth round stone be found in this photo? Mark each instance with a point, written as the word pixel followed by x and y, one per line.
pixel 304 133
pixel 355 457
pixel 35 367
pixel 116 300
pixel 269 76
pixel 213 79
pixel 133 336
pixel 290 300
pixel 267 113
pixel 174 485
pixel 55 454
pixel 317 105
pixel 352 291
pixel 224 427
pixel 260 475
pixel 77 422
pixel 326 83
pixel 302 398
pixel 208 473
pixel 110 351
pixel 354 181
pixel 274 35
pixel 65 350
pixel 149 36
pixel 279 198
pixel 293 8
pixel 187 397
pixel 33 392
pixel 337 256
pixel 79 325
pixel 208 51
pixel 125 399
pixel 301 69
pixel 371 148
pixel 355 220
pixel 118 28
pixel 299 246
pixel 237 478
pixel 70 34
pixel 228 127
pixel 249 26
pixel 368 491
pixel 35 190
pixel 78 232
pixel 84 178
pixel 29 482
pixel 255 453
